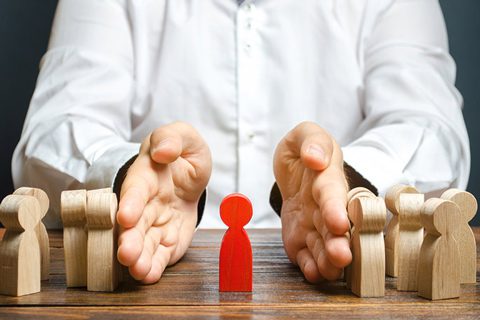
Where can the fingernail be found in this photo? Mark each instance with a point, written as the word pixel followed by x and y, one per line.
pixel 316 151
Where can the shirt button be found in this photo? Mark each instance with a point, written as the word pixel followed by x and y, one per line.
pixel 251 136
pixel 249 6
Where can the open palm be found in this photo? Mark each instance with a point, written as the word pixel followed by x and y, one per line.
pixel 159 198
pixel 308 167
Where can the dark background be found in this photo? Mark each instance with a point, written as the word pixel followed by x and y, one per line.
pixel 25 27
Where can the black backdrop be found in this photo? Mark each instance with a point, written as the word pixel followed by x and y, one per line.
pixel 25 26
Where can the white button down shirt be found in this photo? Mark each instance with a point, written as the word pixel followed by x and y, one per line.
pixel 376 74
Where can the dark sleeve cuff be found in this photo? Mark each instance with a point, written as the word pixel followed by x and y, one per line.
pixel 122 173
pixel 354 180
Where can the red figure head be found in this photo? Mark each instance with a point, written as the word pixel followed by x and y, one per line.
pixel 236 210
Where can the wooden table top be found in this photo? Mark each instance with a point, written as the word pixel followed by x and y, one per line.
pixel 189 289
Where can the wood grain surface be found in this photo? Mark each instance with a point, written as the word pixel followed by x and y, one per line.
pixel 189 289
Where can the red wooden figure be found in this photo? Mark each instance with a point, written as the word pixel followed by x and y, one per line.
pixel 236 251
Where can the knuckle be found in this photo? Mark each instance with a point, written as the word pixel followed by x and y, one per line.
pixel 158 132
pixel 183 126
pixel 306 125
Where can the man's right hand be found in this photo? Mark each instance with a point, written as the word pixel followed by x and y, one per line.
pixel 159 198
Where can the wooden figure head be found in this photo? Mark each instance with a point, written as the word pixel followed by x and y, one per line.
pixel 19 249
pixel 39 194
pixel 392 198
pixel 440 217
pixel 367 214
pixel 410 205
pixel 73 208
pixel 236 210
pixel 359 192
pixel 102 210
pixel 19 213
pixel 464 200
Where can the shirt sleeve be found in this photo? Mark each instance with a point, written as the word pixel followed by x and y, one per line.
pixel 77 130
pixel 413 130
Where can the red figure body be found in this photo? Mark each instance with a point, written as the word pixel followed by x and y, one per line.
pixel 236 251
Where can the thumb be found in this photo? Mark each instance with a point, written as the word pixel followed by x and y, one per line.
pixel 316 145
pixel 312 144
pixel 180 139
pixel 169 142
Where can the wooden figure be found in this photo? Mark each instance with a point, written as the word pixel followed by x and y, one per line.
pixel 103 190
pixel 353 194
pixel 464 234
pixel 368 265
pixel 20 264
pixel 360 192
pixel 410 237
pixel 109 190
pixel 73 212
pixel 40 229
pixel 438 264
pixel 102 263
pixel 236 252
pixel 391 237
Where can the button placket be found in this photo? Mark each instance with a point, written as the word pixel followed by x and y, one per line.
pixel 247 86
pixel 246 25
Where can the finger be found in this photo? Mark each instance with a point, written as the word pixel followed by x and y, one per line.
pixel 131 205
pixel 328 270
pixel 130 246
pixel 337 249
pixel 143 265
pixel 169 142
pixel 180 145
pixel 159 263
pixel 316 245
pixel 308 266
pixel 165 147
pixel 139 186
pixel 131 240
pixel 329 190
pixel 308 142
pixel 314 145
pixel 316 151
